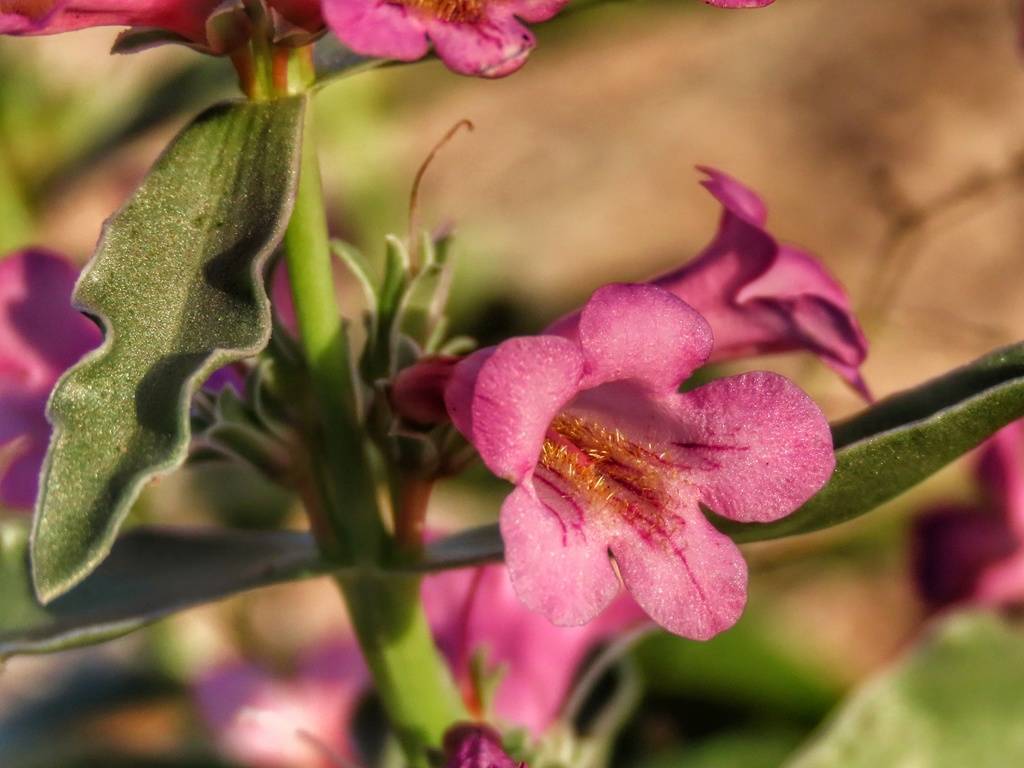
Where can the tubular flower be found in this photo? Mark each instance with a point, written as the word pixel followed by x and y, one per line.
pixel 965 554
pixel 476 611
pixel 212 26
pixel 761 296
pixel 471 745
pixel 611 462
pixel 267 722
pixel 41 335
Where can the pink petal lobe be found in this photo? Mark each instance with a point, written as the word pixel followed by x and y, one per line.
pixel 534 11
pixel 513 394
pixel 472 745
pixel 558 565
pixel 495 46
pixel 739 3
pixel 757 446
pixel 736 198
pixel 378 28
pixel 644 333
pixel 691 579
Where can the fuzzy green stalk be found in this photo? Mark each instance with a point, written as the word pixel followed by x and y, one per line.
pixel 412 679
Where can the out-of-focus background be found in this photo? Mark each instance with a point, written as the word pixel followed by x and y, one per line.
pixel 886 137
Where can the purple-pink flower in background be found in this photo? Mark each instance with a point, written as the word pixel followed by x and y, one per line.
pixel 610 461
pixel 41 335
pixel 762 296
pixel 473 745
pixel 46 17
pixel 476 611
pixel 265 721
pixel 975 554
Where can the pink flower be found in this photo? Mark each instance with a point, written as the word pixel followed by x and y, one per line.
pixel 964 554
pixel 610 461
pixel 45 17
pixel 761 296
pixel 41 335
pixel 472 745
pixel 472 37
pixel 487 38
pixel 476 611
pixel 268 722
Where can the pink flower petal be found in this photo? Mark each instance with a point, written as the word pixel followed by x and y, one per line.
pixel 472 745
pixel 687 576
pixel 558 565
pixel 378 28
pixel 644 333
pixel 758 447
pixel 1000 472
pixel 40 17
pixel 534 11
pixel 302 13
pixel 514 395
pixel 739 3
pixel 492 47
pixel 736 198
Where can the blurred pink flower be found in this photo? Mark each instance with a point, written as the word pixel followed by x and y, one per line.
pixel 471 745
pixel 762 296
pixel 964 554
pixel 609 459
pixel 41 335
pixel 265 721
pixel 476 611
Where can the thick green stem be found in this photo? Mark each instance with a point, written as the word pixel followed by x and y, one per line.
pixel 412 680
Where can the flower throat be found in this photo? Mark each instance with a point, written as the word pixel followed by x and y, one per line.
pixel 466 11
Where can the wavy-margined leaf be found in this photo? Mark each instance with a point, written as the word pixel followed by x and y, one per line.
pixel 153 572
pixel 176 281
pixel 954 702
pixel 895 444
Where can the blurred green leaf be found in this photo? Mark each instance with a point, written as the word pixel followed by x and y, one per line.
pixel 742 666
pixel 153 572
pixel 742 749
pixel 954 702
pixel 150 573
pixel 177 281
pixel 895 444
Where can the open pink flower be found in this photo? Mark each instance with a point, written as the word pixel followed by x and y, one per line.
pixel 472 745
pixel 265 721
pixel 487 38
pixel 476 611
pixel 965 554
pixel 41 335
pixel 610 461
pixel 762 296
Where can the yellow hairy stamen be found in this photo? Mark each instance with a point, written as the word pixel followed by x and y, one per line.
pixel 601 463
pixel 450 10
pixel 33 9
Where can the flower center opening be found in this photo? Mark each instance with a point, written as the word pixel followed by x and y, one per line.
pixel 601 470
pixel 458 11
pixel 33 9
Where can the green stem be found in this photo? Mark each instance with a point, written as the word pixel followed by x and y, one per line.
pixel 412 680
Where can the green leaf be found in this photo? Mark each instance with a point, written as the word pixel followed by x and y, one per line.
pixel 150 573
pixel 954 702
pixel 177 282
pixel 895 444
pixel 153 572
